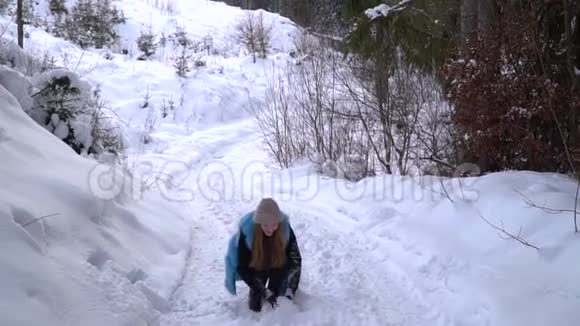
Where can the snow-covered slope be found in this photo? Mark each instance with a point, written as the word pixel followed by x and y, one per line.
pixel 90 260
pixel 384 251
pixel 222 91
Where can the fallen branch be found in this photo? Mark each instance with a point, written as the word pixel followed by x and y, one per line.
pixel 507 234
pixel 549 210
pixel 38 219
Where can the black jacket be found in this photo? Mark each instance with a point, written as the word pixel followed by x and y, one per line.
pixel 279 279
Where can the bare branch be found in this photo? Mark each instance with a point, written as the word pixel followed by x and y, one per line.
pixel 422 12
pixel 39 219
pixel 446 192
pixel 576 205
pixel 549 210
pixel 506 235
pixel 436 160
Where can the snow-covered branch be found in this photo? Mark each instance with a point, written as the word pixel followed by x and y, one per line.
pixel 384 10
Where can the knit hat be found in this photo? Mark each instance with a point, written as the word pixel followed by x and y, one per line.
pixel 267 212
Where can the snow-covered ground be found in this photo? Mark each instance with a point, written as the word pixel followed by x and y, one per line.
pixel 68 255
pixel 384 251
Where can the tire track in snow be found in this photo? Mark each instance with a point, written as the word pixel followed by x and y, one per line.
pixel 181 280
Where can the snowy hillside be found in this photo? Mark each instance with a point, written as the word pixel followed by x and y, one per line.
pixel 84 244
pixel 69 254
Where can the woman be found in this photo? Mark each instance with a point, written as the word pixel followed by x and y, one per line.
pixel 264 250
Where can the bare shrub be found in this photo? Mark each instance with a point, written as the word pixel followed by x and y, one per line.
pixel 403 114
pixel 353 120
pixel 305 117
pixel 254 34
pixel 274 118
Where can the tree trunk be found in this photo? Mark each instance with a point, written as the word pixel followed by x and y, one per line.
pixel 20 23
pixel 571 63
pixel 468 18
pixel 381 76
pixel 486 15
pixel 574 39
pixel 575 115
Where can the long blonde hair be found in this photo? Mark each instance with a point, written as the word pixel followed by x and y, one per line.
pixel 268 252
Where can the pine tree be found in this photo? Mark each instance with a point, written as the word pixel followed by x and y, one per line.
pixel 93 22
pixel 146 43
pixel 424 35
pixel 79 24
pixel 181 64
pixel 105 23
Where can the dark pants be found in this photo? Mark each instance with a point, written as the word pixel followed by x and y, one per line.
pixel 277 283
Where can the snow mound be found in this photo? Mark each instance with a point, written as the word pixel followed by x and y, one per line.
pixel 437 237
pixel 70 255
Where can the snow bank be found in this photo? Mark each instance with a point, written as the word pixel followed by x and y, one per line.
pixel 18 85
pixel 13 56
pixel 429 233
pixel 73 253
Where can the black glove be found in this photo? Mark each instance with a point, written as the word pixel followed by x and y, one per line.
pixel 271 298
pixel 258 287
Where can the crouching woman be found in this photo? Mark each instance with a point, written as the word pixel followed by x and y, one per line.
pixel 264 254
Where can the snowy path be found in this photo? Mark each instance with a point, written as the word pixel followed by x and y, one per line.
pixel 412 258
pixel 346 279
